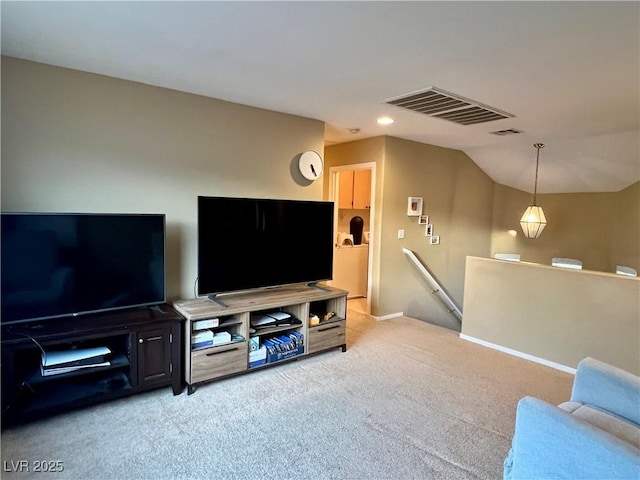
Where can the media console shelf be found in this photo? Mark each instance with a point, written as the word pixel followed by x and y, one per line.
pixel 145 352
pixel 246 350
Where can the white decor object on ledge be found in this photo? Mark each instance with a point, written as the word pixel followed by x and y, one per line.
pixel 512 257
pixel 627 271
pixel 566 263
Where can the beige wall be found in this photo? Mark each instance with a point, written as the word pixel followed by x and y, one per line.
pixel 554 314
pixel 458 199
pixel 625 228
pixel 79 142
pixel 601 229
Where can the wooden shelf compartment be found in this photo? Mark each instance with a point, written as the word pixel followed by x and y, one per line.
pixel 49 395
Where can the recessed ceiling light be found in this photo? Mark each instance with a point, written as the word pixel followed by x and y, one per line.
pixel 385 121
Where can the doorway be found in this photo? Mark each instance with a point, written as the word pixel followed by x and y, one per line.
pixel 352 189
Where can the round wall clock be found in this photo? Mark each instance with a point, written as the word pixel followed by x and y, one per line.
pixel 311 165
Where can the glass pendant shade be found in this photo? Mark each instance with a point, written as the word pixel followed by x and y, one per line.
pixel 533 221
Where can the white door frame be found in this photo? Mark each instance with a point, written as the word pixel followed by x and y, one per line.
pixel 334 187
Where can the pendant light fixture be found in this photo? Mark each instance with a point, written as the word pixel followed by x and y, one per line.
pixel 533 221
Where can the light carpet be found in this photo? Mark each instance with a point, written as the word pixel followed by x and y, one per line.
pixel 407 400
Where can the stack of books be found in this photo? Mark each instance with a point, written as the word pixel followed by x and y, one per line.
pixel 65 361
pixel 284 346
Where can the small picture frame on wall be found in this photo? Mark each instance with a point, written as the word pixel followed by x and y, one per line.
pixel 428 230
pixel 414 206
pixel 423 219
pixel 434 240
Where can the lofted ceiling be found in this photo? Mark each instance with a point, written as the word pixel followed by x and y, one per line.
pixel 566 74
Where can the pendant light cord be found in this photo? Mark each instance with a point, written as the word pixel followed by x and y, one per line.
pixel 535 185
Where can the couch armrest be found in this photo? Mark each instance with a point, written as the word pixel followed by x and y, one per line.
pixel 550 443
pixel 608 388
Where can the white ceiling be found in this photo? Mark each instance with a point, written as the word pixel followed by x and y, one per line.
pixel 569 72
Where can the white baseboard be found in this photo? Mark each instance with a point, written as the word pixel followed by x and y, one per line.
pixel 516 353
pixel 388 317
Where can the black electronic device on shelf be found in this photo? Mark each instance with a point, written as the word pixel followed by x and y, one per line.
pixel 272 319
pixel 280 242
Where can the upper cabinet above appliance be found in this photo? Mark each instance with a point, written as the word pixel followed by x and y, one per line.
pixel 355 189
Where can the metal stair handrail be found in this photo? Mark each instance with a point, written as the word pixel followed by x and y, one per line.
pixel 437 289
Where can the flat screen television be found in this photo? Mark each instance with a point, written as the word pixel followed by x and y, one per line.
pixel 249 243
pixel 70 264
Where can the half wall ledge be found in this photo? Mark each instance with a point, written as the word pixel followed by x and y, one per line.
pixel 550 315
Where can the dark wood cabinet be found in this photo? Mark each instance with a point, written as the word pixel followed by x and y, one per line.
pixel 145 352
pixel 154 356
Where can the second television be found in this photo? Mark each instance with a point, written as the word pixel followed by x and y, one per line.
pixel 249 243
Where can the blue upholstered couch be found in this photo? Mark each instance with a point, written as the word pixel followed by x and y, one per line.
pixel 594 436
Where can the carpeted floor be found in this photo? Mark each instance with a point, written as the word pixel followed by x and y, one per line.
pixel 408 400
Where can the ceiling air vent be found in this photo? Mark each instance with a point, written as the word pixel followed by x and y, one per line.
pixel 508 131
pixel 440 104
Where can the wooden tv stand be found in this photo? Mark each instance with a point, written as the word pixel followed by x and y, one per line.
pixel 146 353
pixel 216 361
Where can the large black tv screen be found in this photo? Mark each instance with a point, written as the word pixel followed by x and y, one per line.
pixel 60 264
pixel 248 243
